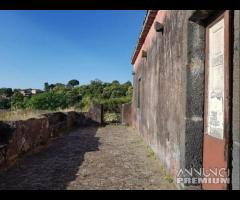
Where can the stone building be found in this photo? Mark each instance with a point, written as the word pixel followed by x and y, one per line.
pixel 186 91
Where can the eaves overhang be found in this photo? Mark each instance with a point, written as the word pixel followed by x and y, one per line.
pixel 147 24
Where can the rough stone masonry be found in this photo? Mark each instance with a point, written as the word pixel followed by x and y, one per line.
pixel 19 137
pixel 168 98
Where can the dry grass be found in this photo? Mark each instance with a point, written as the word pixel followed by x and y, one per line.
pixel 21 114
pixel 151 154
pixel 14 115
pixel 167 176
pixel 69 110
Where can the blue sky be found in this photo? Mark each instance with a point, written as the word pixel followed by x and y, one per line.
pixel 56 46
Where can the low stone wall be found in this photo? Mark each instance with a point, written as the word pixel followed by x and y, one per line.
pixel 126 114
pixel 19 137
pixel 95 113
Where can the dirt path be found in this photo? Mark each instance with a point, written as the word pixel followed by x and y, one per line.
pixel 111 157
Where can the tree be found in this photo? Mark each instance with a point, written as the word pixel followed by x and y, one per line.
pixel 7 92
pixel 128 83
pixel 85 103
pixel 107 91
pixel 129 92
pixel 96 82
pixel 115 82
pixel 72 83
pixel 51 86
pixel 16 90
pixel 17 101
pixel 47 101
pixel 73 98
pixel 60 85
pixel 56 96
pixel 46 86
pixel 4 103
pixel 116 94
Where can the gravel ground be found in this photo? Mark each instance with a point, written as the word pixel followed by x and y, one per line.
pixel 110 157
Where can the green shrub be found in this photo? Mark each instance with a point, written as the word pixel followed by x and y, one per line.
pixel 47 101
pixel 114 104
pixel 17 101
pixel 111 117
pixel 5 104
pixel 59 96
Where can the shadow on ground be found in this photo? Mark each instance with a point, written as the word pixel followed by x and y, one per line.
pixel 53 167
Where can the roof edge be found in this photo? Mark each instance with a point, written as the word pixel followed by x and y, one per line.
pixel 147 24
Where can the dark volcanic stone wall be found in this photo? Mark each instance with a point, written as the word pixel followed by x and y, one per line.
pixel 170 116
pixel 193 141
pixel 126 114
pixel 236 102
pixel 170 81
pixel 161 117
pixel 20 137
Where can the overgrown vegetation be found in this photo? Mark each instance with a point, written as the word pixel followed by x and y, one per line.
pixel 167 176
pixel 13 115
pixel 151 154
pixel 72 95
pixel 112 117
